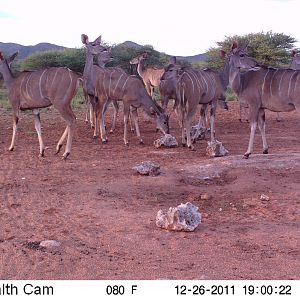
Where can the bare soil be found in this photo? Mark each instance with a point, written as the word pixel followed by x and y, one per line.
pixel 104 213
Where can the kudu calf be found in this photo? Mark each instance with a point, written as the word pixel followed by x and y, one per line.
pixel 39 89
pixel 261 88
pixel 150 76
pixel 194 87
pixel 116 85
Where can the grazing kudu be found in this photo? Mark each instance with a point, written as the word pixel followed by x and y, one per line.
pixel 261 88
pixel 195 87
pixel 150 75
pixel 38 89
pixel 117 85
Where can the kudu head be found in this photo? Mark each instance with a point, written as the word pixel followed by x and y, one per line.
pixel 162 119
pixel 295 63
pixel 139 59
pixel 238 58
pixel 104 57
pixel 94 47
pixel 172 71
pixel 6 62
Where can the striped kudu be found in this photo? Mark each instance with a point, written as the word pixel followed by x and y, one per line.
pixel 38 89
pixel 195 87
pixel 150 75
pixel 261 88
pixel 116 85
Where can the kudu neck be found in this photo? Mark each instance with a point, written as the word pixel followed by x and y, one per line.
pixel 141 68
pixel 7 75
pixel 88 64
pixel 235 79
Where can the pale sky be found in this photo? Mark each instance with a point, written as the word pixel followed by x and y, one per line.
pixel 182 28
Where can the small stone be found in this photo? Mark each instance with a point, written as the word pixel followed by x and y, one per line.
pixel 167 141
pixel 50 244
pixel 198 132
pixel 205 196
pixel 264 197
pixel 216 149
pixel 148 168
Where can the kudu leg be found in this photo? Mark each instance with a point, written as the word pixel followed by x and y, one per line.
pixel 251 140
pixel 69 117
pixel 126 117
pixel 262 129
pixel 38 128
pixel 213 121
pixel 188 124
pixel 15 128
pixel 115 115
pixel 102 106
pixel 134 116
pixel 91 115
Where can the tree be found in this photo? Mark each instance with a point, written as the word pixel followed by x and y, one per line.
pixel 269 49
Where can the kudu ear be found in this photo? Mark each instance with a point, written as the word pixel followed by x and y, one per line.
pixel 84 39
pixel 11 59
pixel 234 45
pixel 1 55
pixel 223 54
pixel 98 40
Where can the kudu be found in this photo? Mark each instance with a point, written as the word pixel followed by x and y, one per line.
pixel 102 59
pixel 150 75
pixel 116 85
pixel 38 89
pixel 261 88
pixel 195 87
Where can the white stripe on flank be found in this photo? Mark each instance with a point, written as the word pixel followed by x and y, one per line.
pixel 272 82
pixel 26 86
pixel 54 78
pixel 289 90
pixel 104 72
pixel 279 87
pixel 263 85
pixel 191 80
pixel 125 83
pixel 197 82
pixel 22 85
pixel 295 86
pixel 117 84
pixel 110 82
pixel 40 82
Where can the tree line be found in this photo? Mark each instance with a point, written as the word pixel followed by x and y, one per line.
pixel 270 49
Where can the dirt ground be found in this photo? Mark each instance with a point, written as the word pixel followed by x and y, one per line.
pixel 103 213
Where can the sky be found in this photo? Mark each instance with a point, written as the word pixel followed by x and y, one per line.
pixel 181 28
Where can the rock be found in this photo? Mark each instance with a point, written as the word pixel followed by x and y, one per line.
pixel 167 141
pixel 264 197
pixel 184 217
pixel 198 132
pixel 148 168
pixel 50 244
pixel 216 149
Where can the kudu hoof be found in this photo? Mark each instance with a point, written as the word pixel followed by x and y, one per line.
pixel 246 155
pixel 104 142
pixel 11 149
pixel 65 156
pixel 266 151
pixel 58 149
pixel 42 154
pixel 183 145
pixel 141 142
pixel 95 137
pixel 191 147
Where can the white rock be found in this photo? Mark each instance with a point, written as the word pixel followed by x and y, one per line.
pixel 216 149
pixel 167 141
pixel 148 168
pixel 264 197
pixel 198 132
pixel 50 244
pixel 184 217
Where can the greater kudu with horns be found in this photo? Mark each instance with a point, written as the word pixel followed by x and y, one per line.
pixel 116 85
pixel 38 89
pixel 261 88
pixel 150 75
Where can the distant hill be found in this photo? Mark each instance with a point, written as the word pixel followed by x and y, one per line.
pixel 24 51
pixel 190 59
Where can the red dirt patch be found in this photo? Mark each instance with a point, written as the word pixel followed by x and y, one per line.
pixel 104 214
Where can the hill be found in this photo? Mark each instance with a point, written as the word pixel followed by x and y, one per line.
pixel 24 51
